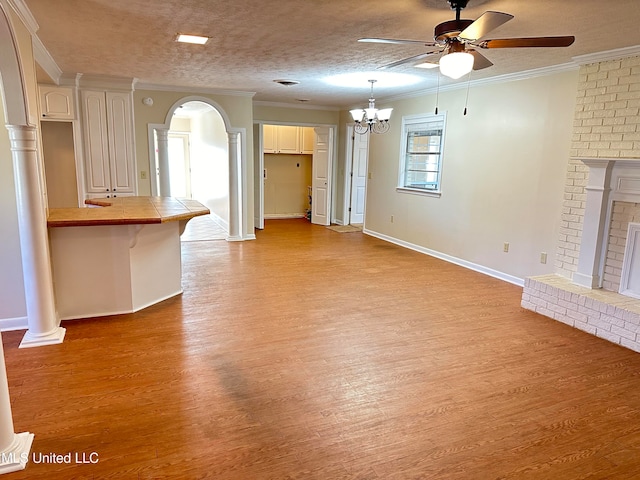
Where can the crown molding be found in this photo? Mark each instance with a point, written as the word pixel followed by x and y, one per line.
pixel 45 60
pixel 301 106
pixel 607 55
pixel 509 77
pixel 24 14
pixel 106 81
pixel 176 88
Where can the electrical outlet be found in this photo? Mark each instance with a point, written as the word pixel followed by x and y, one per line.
pixel 505 247
pixel 543 257
pixel 143 175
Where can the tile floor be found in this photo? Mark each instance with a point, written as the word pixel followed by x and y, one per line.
pixel 203 228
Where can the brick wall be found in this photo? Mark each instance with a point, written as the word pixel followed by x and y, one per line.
pixel 606 125
pixel 607 315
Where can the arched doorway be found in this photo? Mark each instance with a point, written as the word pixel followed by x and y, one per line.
pixel 15 448
pixel 217 141
pixel 198 152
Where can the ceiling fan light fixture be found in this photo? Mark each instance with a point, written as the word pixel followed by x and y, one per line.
pixel 456 64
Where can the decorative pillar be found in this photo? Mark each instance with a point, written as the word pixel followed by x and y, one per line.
pixel 235 207
pixel 14 447
pixel 593 228
pixel 162 135
pixel 43 324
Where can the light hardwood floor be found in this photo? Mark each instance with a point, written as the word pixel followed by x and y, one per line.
pixel 312 354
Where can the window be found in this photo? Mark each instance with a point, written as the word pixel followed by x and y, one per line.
pixel 421 153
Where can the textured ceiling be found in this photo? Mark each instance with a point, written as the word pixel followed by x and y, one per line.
pixel 256 42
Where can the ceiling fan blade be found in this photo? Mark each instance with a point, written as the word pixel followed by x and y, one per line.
pixel 404 61
pixel 479 60
pixel 484 24
pixel 527 42
pixel 396 41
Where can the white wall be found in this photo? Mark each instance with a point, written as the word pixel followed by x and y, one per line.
pixel 210 164
pixel 502 179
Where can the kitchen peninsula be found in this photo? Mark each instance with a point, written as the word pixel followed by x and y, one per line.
pixel 117 255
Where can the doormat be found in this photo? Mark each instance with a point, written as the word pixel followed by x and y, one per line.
pixel 344 228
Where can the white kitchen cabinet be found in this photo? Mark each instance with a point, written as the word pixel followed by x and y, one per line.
pixel 109 144
pixel 286 139
pixel 269 139
pixel 308 139
pixel 57 103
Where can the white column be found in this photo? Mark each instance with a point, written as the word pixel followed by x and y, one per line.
pixel 42 320
pixel 162 135
pixel 593 228
pixel 14 448
pixel 235 208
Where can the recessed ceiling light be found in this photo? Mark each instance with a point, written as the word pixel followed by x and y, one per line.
pixel 287 83
pixel 427 65
pixel 197 39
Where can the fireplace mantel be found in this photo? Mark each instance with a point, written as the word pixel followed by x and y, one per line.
pixel 609 179
pixel 581 301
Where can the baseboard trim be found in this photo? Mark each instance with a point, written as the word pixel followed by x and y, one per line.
pixel 221 222
pixel 448 258
pixel 280 216
pixel 11 324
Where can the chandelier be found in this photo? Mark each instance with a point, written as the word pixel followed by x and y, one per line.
pixel 371 119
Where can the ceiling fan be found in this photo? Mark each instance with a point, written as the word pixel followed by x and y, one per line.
pixel 456 42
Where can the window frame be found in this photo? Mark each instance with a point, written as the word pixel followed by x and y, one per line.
pixel 408 121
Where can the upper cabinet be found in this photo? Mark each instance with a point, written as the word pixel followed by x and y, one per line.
pixel 308 139
pixel 285 139
pixel 288 139
pixel 56 103
pixel 109 144
pixel 269 140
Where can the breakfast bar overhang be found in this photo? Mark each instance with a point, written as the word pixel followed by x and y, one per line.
pixel 119 257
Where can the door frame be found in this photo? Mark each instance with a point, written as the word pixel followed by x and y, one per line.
pixel 258 142
pixel 348 171
pixel 186 145
pixel 240 225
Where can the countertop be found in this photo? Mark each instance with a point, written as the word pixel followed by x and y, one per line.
pixel 126 211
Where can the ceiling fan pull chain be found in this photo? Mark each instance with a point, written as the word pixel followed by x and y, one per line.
pixel 437 92
pixel 466 100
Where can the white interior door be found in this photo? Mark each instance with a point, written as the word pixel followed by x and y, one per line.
pixel 320 183
pixel 359 177
pixel 179 165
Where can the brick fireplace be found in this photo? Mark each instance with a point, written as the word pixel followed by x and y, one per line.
pixel 591 300
pixel 601 200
